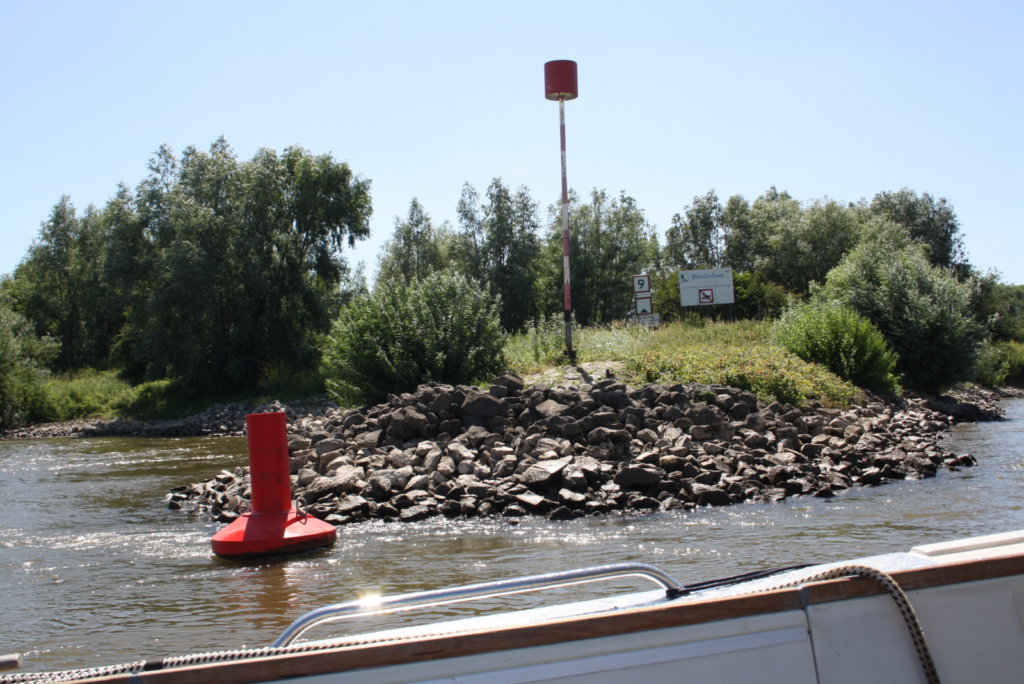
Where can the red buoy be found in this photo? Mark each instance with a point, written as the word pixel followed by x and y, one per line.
pixel 273 526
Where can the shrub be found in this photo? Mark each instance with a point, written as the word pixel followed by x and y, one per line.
pixel 839 339
pixel 22 375
pixel 756 296
pixel 993 365
pixel 923 312
pixel 443 329
pixel 1015 363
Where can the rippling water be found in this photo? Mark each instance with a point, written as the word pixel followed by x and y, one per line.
pixel 95 570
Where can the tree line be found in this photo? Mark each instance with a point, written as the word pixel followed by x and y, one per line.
pixel 210 271
pixel 213 271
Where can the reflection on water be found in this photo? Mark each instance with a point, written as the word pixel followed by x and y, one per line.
pixel 94 569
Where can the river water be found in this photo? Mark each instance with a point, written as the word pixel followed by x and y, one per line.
pixel 95 570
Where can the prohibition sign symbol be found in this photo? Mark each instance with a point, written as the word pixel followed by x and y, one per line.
pixel 706 296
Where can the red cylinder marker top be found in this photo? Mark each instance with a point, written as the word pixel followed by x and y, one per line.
pixel 560 80
pixel 267 435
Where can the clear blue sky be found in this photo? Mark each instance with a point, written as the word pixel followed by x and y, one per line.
pixel 822 99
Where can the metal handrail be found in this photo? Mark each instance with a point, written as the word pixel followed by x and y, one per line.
pixel 381 605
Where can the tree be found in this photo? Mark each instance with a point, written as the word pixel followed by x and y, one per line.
pixel 226 268
pixel 923 312
pixel 416 248
pixel 931 222
pixel 745 240
pixel 698 240
pixel 808 243
pixel 59 285
pixel 610 240
pixel 500 247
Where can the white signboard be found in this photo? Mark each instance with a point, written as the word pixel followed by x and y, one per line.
pixel 652 321
pixel 644 307
pixel 641 284
pixel 705 287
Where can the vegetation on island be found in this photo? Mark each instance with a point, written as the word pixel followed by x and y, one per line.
pixel 220 279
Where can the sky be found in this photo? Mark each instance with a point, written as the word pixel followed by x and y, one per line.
pixel 839 100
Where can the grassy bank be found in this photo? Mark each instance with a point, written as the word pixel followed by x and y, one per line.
pixel 738 354
pixel 103 394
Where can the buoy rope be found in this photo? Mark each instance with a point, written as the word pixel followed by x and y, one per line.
pixel 897 594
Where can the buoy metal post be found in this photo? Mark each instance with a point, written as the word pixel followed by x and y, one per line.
pixel 273 526
pixel 560 83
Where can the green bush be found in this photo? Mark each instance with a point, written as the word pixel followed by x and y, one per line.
pixel 756 296
pixel 923 312
pixel 22 375
pixel 1001 363
pixel 443 328
pixel 839 339
pixel 993 365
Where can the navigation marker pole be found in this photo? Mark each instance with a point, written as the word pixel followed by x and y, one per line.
pixel 560 84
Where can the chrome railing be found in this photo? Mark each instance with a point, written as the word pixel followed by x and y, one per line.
pixel 423 599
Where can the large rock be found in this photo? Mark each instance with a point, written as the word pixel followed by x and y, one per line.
pixel 638 475
pixel 480 404
pixel 544 472
pixel 328 445
pixel 368 440
pixel 351 505
pixel 340 483
pixel 708 495
pixel 414 514
pixel 550 408
pixel 602 434
pixel 510 380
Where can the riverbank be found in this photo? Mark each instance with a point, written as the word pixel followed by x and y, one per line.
pixel 594 448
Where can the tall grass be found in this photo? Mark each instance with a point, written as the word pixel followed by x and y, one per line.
pixel 104 394
pixel 542 345
pixel 740 354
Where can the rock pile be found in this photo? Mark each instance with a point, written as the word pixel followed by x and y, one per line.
pixel 595 448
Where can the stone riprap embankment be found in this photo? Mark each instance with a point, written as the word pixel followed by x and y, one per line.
pixel 591 449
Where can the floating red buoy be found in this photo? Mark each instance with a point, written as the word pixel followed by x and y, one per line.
pixel 273 526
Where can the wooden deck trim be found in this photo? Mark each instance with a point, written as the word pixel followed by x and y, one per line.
pixel 564 630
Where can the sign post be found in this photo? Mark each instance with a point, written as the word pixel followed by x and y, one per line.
pixel 560 83
pixel 706 287
pixel 644 301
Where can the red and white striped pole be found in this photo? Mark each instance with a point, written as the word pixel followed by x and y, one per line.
pixel 560 83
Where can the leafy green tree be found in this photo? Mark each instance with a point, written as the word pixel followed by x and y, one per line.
pixel 499 248
pixel 59 285
pixel 923 312
pixel 236 266
pixel 610 240
pixel 929 221
pixel 809 243
pixel 696 239
pixel 416 248
pixel 1000 307
pixel 745 239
